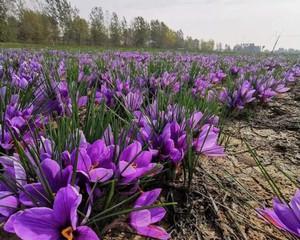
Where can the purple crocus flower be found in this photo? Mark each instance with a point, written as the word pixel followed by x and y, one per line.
pixel 19 81
pixel 62 70
pixel 234 70
pixel 142 221
pixel 94 162
pixel 224 97
pixel 133 101
pixel 243 95
pixel 284 216
pixel 105 94
pixel 201 86
pixel 220 74
pixel 173 143
pixel 35 194
pixel 217 77
pixel 82 101
pixel 264 92
pixel 63 90
pixel 59 222
pixel 281 88
pixel 206 143
pixel 195 119
pixel 134 162
pixel 6 141
pixel 169 80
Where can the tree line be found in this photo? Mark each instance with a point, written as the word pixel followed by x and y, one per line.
pixel 58 22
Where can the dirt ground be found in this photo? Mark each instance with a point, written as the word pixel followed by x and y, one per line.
pixel 226 191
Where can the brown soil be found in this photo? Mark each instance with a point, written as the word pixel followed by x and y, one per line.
pixel 227 191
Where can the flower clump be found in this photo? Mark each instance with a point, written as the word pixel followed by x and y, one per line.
pixel 89 142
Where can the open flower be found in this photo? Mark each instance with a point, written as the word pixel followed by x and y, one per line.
pixel 57 223
pixel 134 163
pixel 94 162
pixel 142 221
pixel 284 216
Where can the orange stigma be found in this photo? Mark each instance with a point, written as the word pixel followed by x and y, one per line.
pixel 271 220
pixel 68 233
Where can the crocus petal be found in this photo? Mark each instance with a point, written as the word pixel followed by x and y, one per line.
pixel 270 216
pixel 84 162
pixel 287 217
pixel 143 170
pixel 33 194
pixel 50 170
pixel 155 232
pixel 295 205
pixel 65 206
pixel 6 161
pixel 95 151
pixel 17 122
pixel 82 101
pixel 9 225
pixel 216 151
pixel 108 136
pixel 169 146
pixel 195 119
pixel 20 174
pixel 63 178
pixel 66 157
pixel 6 146
pixel 100 174
pixel 143 159
pixel 130 152
pixel 8 203
pixel 126 169
pixel 207 142
pixel 85 233
pixel 182 140
pixel 157 214
pixel 140 218
pixel 36 223
pixel 176 155
pixel 148 198
pixel 47 144
pixel 82 141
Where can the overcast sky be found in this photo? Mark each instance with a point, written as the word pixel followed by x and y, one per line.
pixel 226 21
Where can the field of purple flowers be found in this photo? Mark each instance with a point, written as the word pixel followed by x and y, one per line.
pixel 93 141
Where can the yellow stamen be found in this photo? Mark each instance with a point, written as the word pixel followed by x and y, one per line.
pixel 67 233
